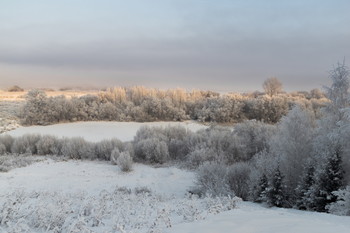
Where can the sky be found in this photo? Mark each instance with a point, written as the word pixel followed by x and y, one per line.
pixel 221 45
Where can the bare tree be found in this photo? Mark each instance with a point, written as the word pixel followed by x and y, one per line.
pixel 272 86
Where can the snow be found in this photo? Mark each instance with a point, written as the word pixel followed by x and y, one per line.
pixel 253 218
pixel 75 176
pixel 97 131
pixel 85 196
pixel 91 196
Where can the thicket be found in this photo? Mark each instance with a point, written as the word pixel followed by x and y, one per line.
pixel 143 105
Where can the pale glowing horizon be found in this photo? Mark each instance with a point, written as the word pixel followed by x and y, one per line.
pixel 194 44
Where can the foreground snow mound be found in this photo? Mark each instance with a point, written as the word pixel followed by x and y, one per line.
pixel 98 131
pixel 253 218
pixel 121 210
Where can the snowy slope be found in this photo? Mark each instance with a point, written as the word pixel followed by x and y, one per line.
pixel 91 196
pixel 83 196
pixel 97 131
pixel 253 218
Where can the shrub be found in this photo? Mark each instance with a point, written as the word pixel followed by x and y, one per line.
pixel 25 144
pixel 104 148
pixel 7 141
pixel 152 150
pixel 238 179
pixel 48 145
pixel 212 179
pixel 78 148
pixel 2 149
pixel 199 156
pixel 114 156
pixel 124 161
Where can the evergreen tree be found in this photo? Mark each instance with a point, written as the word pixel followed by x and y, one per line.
pixel 276 191
pixel 304 190
pixel 330 180
pixel 261 194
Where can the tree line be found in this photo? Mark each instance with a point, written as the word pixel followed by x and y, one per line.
pixel 143 105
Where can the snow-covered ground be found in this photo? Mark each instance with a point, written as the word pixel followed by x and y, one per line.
pixel 95 196
pixel 97 131
pixel 93 176
pixel 253 218
pixel 91 196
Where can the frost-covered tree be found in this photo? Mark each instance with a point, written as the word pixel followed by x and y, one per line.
pixel 333 128
pixel 276 195
pixel 272 86
pixel 342 205
pixel 261 189
pixel 293 143
pixel 305 199
pixel 338 92
pixel 329 179
pixel 34 110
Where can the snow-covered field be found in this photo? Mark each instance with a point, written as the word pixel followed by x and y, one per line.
pixel 94 196
pixel 252 218
pixel 93 176
pixel 90 196
pixel 97 131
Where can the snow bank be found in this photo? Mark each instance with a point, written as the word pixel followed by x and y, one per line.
pixel 97 131
pixel 253 218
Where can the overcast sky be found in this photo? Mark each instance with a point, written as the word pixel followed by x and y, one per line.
pixel 222 45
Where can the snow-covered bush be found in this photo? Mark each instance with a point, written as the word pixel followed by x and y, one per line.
pixel 211 179
pixel 7 141
pixel 342 205
pixel 48 145
pixel 104 148
pixel 2 149
pixel 114 156
pixel 152 150
pixel 124 161
pixel 200 156
pixel 78 148
pixel 25 144
pixel 252 138
pixel 238 176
